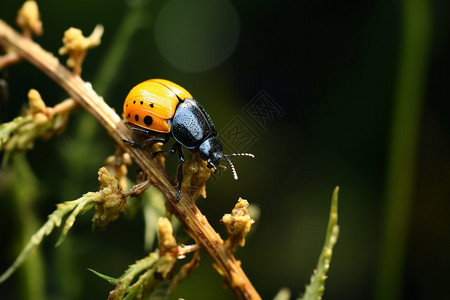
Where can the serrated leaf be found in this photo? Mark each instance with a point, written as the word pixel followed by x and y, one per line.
pixel 81 208
pixel 316 287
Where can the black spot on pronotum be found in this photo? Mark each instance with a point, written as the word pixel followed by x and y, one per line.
pixel 148 120
pixel 142 102
pixel 152 105
pixel 136 117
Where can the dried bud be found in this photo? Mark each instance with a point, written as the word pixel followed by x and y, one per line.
pixel 166 240
pixel 76 46
pixel 35 101
pixel 167 247
pixel 238 223
pixel 111 203
pixel 28 19
pixel 195 175
pixel 118 166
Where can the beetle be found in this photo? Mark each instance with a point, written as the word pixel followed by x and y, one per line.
pixel 163 108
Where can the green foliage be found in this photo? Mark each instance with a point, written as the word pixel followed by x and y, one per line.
pixel 54 220
pixel 404 137
pixel 315 289
pixel 111 280
pixel 26 193
pixel 153 207
pixel 107 201
pixel 138 280
pixel 39 121
pixel 7 131
pixel 283 294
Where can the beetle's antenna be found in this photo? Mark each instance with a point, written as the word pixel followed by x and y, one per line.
pixel 241 154
pixel 233 169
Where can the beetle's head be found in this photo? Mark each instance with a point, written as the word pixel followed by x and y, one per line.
pixel 211 150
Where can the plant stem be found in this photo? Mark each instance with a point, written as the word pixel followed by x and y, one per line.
pixel 403 146
pixel 109 67
pixel 26 192
pixel 186 211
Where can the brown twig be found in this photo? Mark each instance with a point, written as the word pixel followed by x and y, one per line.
pixel 186 211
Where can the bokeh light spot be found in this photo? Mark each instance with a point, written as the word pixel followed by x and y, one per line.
pixel 196 36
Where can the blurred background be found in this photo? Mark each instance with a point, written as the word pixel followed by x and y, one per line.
pixel 324 93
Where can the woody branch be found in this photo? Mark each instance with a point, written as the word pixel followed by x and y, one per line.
pixel 186 211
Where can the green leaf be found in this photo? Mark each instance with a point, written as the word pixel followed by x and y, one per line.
pixel 111 280
pixel 54 220
pixel 81 208
pixel 316 287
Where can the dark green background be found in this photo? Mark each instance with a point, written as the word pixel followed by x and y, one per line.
pixel 331 66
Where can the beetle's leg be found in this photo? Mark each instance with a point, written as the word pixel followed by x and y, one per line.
pixel 176 148
pixel 142 130
pixel 163 140
pixel 153 140
pixel 180 169
pixel 164 152
pixel 133 143
pixel 150 140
